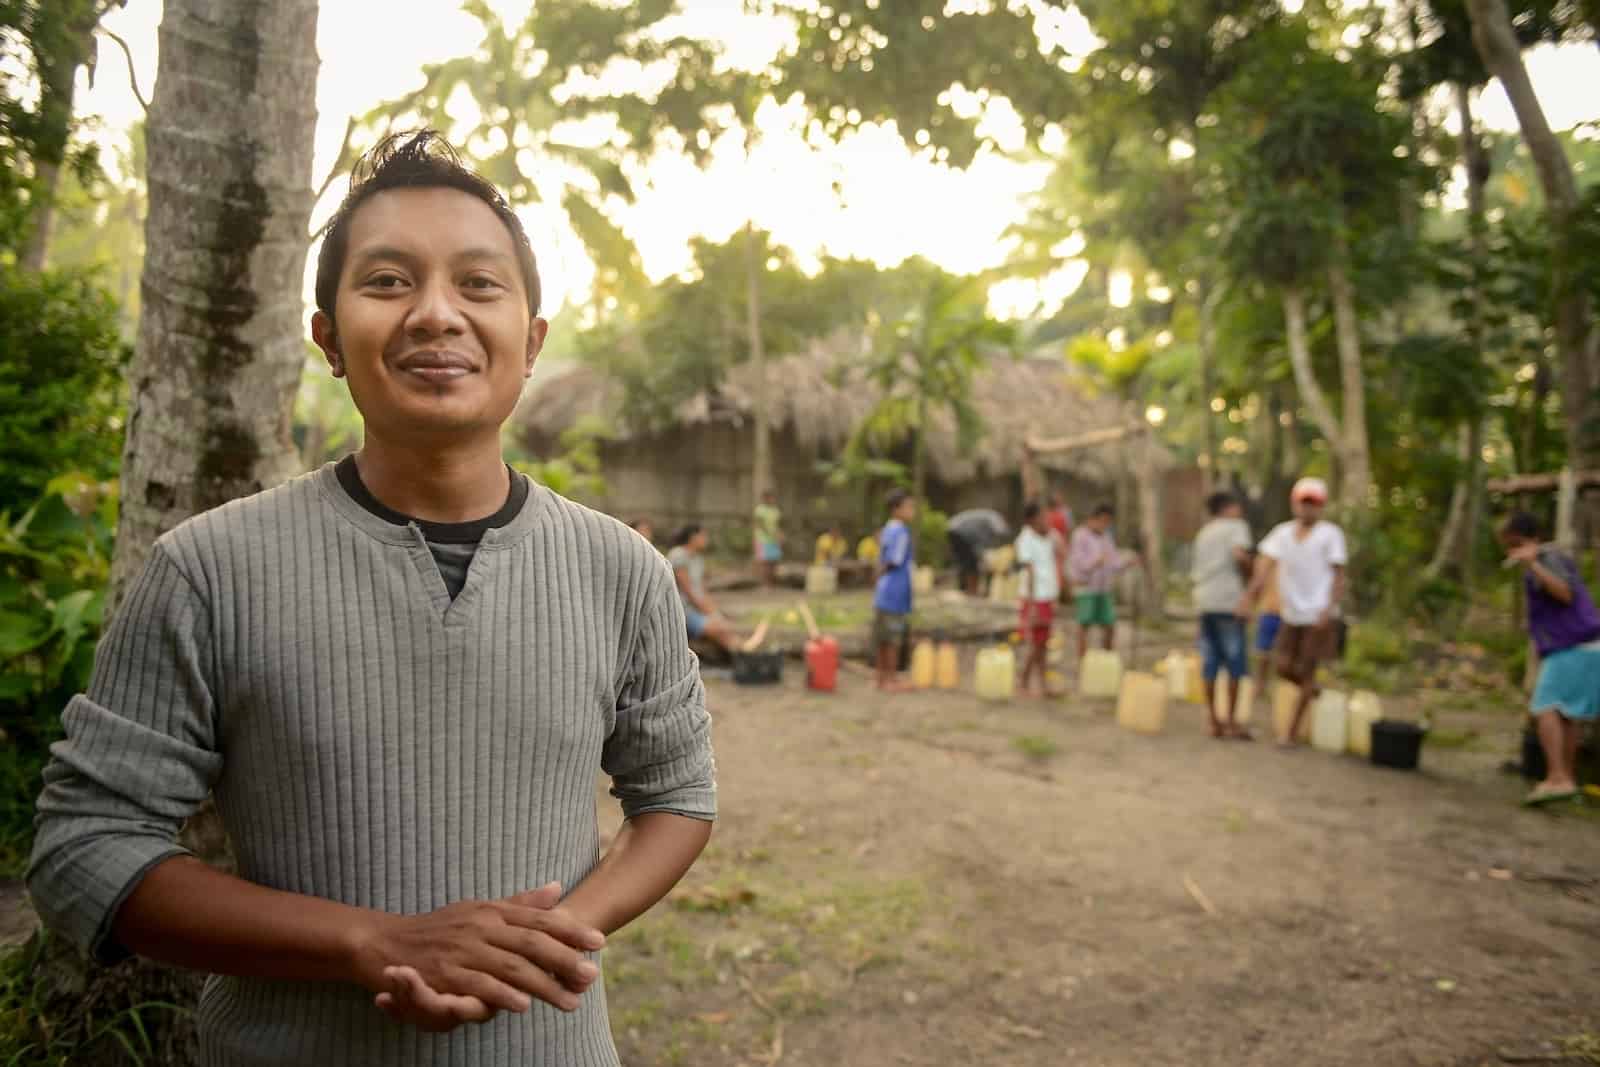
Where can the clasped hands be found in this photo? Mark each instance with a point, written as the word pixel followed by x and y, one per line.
pixel 467 962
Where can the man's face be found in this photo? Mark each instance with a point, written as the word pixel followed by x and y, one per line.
pixel 1308 509
pixel 433 327
pixel 1040 521
pixel 906 511
pixel 1100 523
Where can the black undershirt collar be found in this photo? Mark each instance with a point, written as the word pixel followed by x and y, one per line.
pixel 452 533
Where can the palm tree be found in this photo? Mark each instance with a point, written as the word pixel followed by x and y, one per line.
pixel 923 362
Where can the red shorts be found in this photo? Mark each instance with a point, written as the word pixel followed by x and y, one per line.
pixel 1036 619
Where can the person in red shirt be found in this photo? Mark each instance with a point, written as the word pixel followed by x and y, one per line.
pixel 1061 533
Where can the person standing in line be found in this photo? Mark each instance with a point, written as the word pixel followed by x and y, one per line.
pixel 1061 534
pixel 768 537
pixel 1268 621
pixel 1036 555
pixel 399 676
pixel 1093 563
pixel 1306 558
pixel 1221 562
pixel 644 528
pixel 1565 626
pixel 891 600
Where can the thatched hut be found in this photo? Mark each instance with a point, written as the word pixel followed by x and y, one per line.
pixel 699 467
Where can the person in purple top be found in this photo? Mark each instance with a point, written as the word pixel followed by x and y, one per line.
pixel 891 602
pixel 1565 626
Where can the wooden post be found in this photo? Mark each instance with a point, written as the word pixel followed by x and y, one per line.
pixel 1032 482
pixel 1150 521
pixel 1567 510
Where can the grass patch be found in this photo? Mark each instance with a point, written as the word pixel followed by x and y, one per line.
pixel 121 1019
pixel 1035 747
pixel 1437 738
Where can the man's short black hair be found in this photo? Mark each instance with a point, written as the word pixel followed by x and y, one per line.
pixel 414 159
pixel 1102 509
pixel 895 498
pixel 686 534
pixel 1030 511
pixel 1219 502
pixel 1522 524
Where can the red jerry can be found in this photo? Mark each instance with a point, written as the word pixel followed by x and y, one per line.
pixel 822 663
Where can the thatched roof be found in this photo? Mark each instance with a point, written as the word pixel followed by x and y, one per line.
pixel 1038 395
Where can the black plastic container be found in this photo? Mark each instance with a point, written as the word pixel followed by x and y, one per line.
pixel 758 668
pixel 1397 744
pixel 1533 766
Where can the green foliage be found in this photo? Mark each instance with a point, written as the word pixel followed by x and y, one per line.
pixel 931 538
pixel 922 364
pixel 42 44
pixel 533 83
pixel 575 473
pixel 48 1023
pixel 55 560
pixel 61 390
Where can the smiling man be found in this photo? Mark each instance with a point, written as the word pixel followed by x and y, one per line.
pixel 400 675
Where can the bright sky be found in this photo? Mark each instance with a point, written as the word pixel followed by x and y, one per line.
pixel 890 203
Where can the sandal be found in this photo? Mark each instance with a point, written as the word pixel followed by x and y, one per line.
pixel 1540 797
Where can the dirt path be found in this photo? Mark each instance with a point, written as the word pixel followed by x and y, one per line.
pixel 932 880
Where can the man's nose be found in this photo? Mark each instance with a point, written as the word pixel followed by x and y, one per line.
pixel 436 312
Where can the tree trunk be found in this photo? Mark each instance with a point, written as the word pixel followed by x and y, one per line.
pixel 1497 43
pixel 1457 541
pixel 1149 495
pixel 58 82
pixel 919 452
pixel 221 335
pixel 1210 477
pixel 1355 459
pixel 1305 380
pixel 761 475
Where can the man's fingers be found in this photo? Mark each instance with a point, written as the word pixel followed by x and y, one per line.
pixel 447 1010
pixel 536 984
pixel 557 924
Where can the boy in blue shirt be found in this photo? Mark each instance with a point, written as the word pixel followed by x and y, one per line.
pixel 891 603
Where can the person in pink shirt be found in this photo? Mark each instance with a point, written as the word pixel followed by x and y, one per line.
pixel 1093 562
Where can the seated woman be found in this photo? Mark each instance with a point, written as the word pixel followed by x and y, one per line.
pixel 688 560
pixel 1565 626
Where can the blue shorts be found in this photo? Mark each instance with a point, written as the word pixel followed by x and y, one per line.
pixel 696 621
pixel 1569 683
pixel 771 552
pixel 1267 632
pixel 1222 644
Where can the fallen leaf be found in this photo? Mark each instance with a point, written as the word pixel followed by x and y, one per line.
pixel 1500 874
pixel 1445 985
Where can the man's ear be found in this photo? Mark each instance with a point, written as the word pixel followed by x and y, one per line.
pixel 327 339
pixel 537 331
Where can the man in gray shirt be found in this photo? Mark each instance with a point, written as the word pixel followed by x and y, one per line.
pixel 1221 560
pixel 399 676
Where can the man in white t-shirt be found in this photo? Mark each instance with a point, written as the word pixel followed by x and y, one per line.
pixel 1306 557
pixel 1038 558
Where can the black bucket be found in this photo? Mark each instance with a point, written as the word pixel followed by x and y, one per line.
pixel 1397 744
pixel 758 668
pixel 1533 767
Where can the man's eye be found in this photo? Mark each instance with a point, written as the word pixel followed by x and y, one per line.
pixel 385 281
pixel 481 282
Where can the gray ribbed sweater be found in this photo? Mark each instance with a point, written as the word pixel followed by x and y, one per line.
pixel 373 742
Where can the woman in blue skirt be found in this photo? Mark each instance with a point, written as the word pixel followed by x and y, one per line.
pixel 1566 630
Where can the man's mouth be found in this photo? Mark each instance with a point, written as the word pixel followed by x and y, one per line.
pixel 437 367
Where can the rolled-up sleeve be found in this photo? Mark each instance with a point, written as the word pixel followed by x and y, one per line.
pixel 659 751
pixel 138 759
